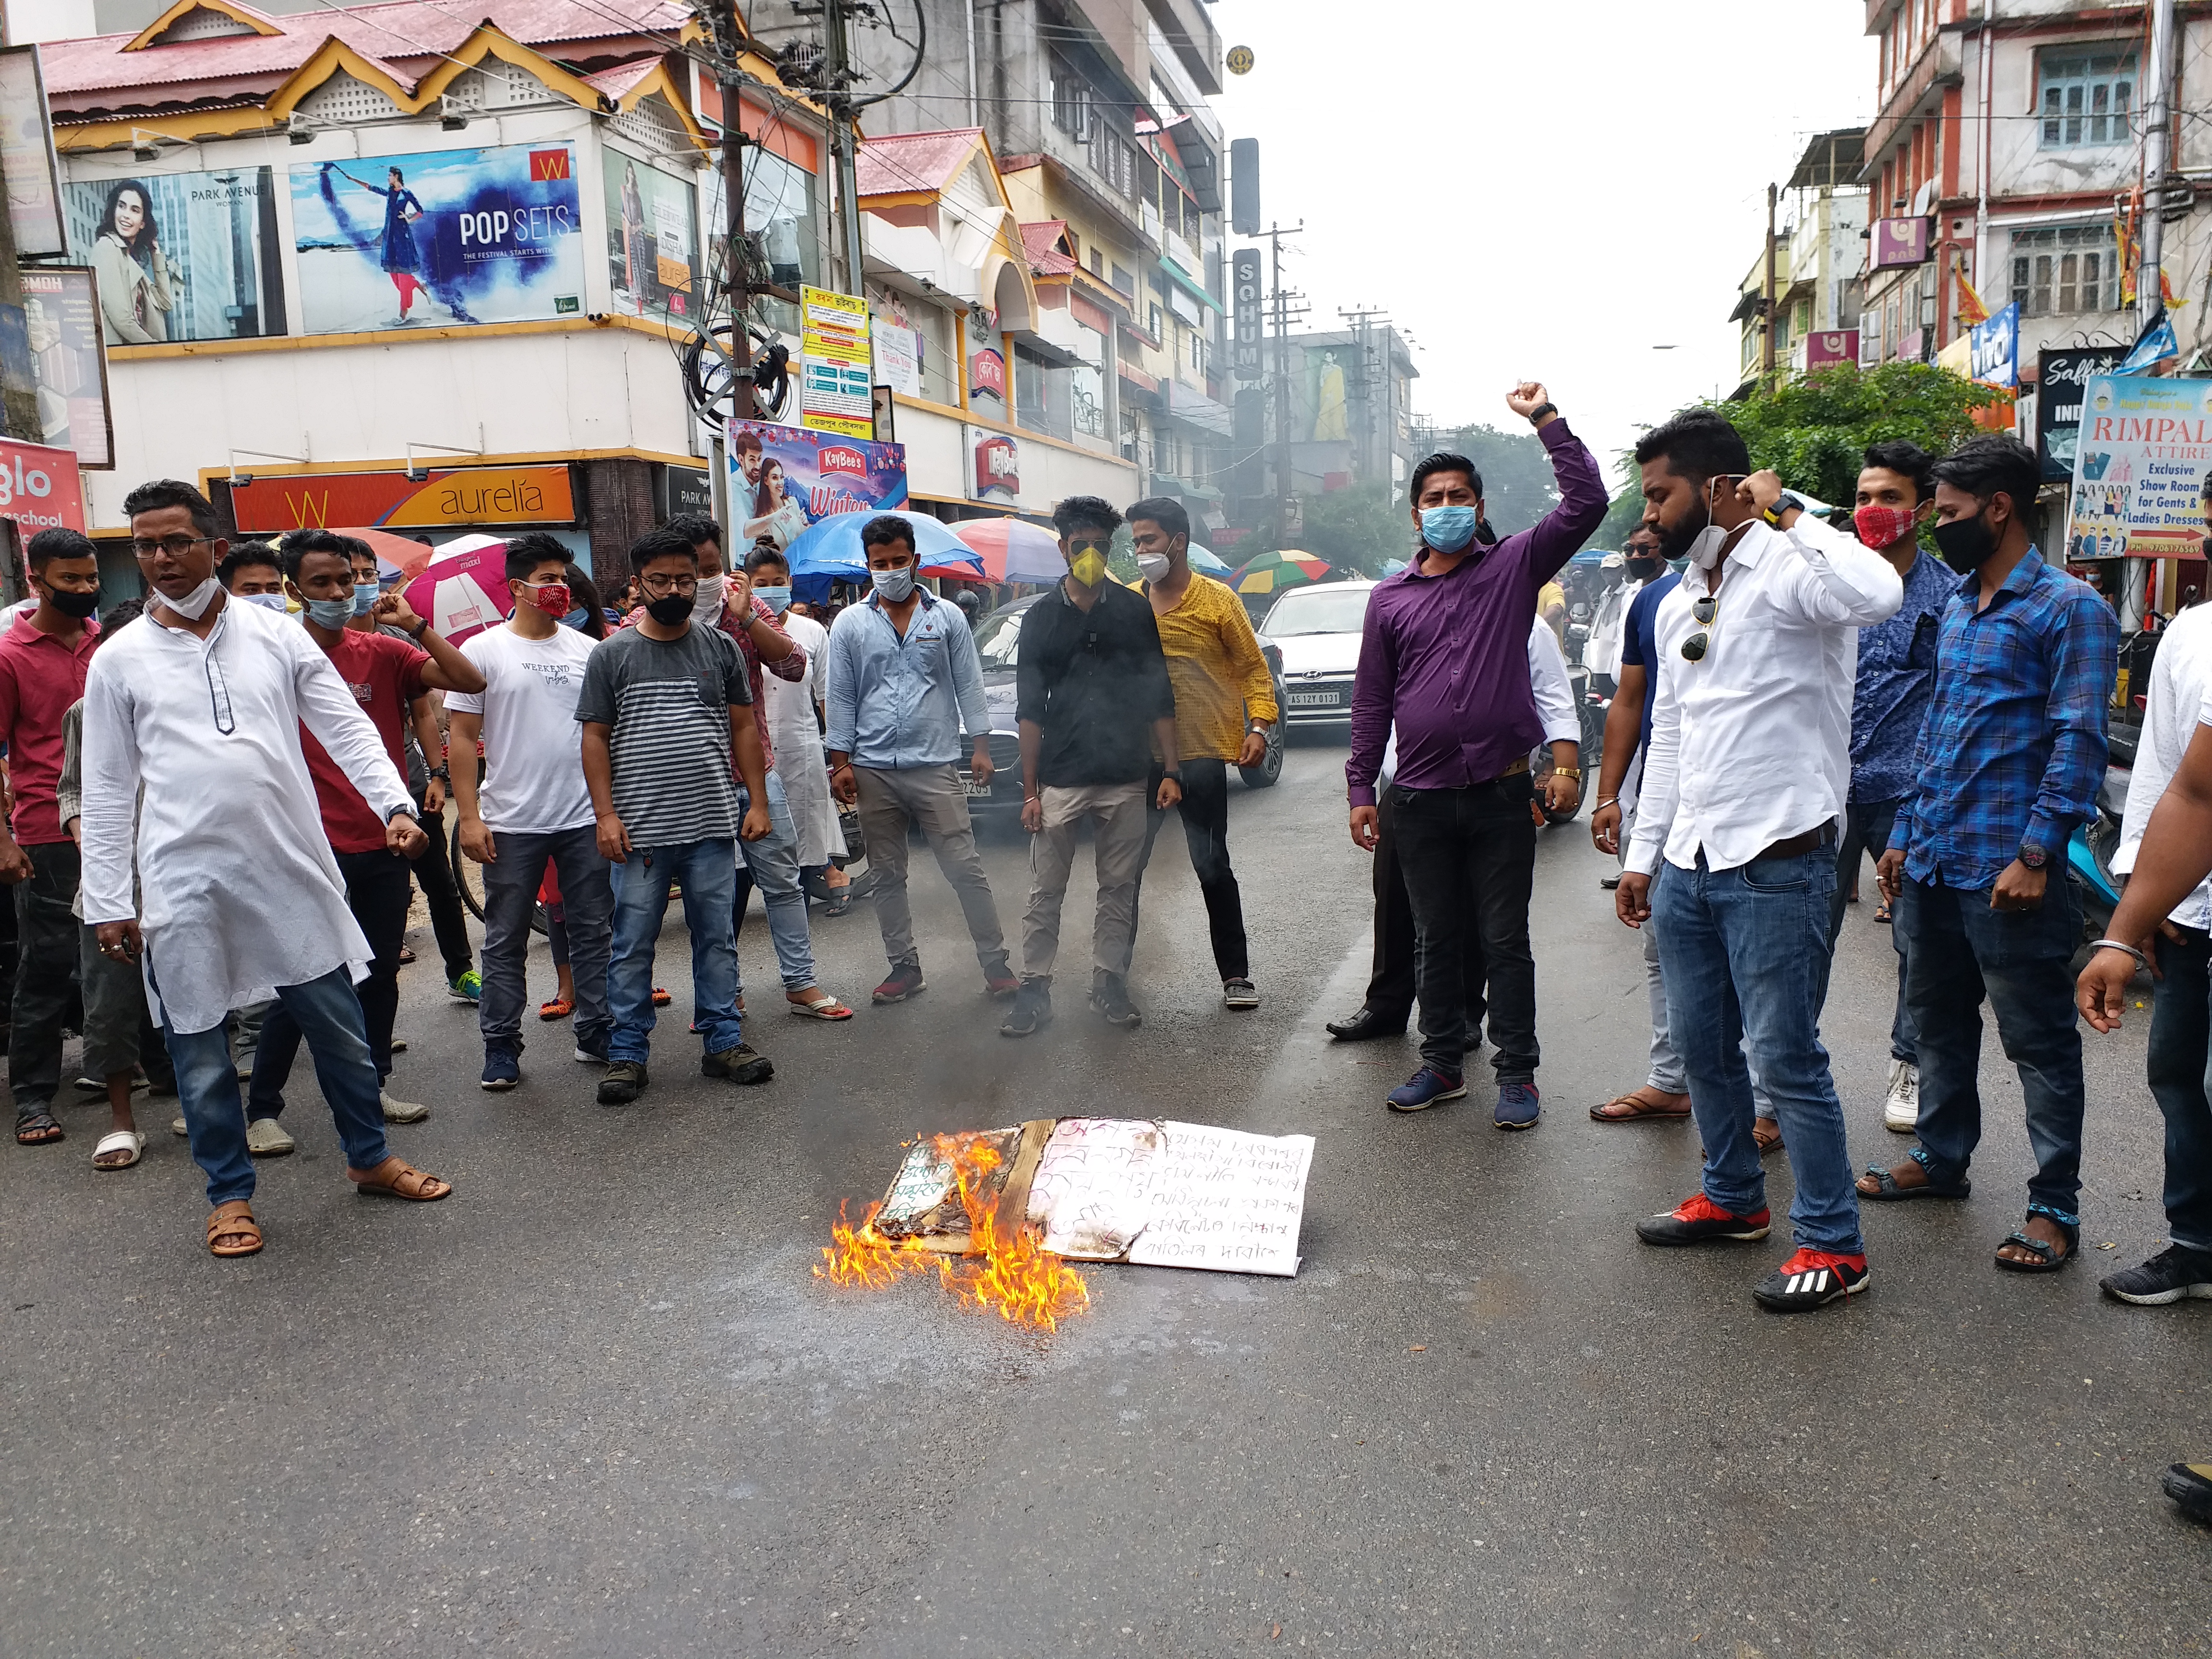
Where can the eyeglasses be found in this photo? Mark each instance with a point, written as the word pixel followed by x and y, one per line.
pixel 661 586
pixel 175 546
pixel 1702 611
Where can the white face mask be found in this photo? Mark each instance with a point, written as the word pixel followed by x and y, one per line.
pixel 1154 565
pixel 194 604
pixel 707 603
pixel 1705 546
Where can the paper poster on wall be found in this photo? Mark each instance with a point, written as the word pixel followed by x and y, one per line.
pixel 835 374
pixel 652 237
pixel 27 151
pixel 898 357
pixel 2140 463
pixel 62 312
pixel 439 237
pixel 180 256
pixel 995 469
pixel 783 479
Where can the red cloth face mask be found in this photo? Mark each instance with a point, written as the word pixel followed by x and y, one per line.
pixel 1882 526
pixel 553 598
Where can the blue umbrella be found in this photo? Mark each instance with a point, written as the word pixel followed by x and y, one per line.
pixel 831 551
pixel 1205 561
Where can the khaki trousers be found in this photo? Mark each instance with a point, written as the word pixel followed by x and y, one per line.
pixel 934 798
pixel 1117 814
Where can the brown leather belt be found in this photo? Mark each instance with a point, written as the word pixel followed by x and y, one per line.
pixel 1514 770
pixel 1795 847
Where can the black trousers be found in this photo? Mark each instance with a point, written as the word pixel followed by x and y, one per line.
pixel 1205 812
pixel 378 891
pixel 1469 858
pixel 1393 984
pixel 46 973
pixel 435 876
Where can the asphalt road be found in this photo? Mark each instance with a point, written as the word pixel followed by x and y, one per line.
pixel 595 1403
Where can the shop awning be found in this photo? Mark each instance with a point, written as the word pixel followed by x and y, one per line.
pixel 1189 284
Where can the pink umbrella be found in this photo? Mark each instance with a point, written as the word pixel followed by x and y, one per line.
pixel 462 588
pixel 1013 550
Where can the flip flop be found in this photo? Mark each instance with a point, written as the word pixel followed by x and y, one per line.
pixel 1639 1110
pixel 119 1140
pixel 661 999
pixel 827 1008
pixel 37 1129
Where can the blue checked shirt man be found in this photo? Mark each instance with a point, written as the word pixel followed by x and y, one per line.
pixel 2009 763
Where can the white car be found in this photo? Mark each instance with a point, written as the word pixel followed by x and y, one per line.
pixel 1317 630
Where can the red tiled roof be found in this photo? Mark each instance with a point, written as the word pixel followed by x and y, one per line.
pixel 85 74
pixel 1040 241
pixel 622 77
pixel 896 164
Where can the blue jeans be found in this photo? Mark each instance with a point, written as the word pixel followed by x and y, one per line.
pixel 708 870
pixel 511 882
pixel 1867 824
pixel 1746 956
pixel 1962 952
pixel 772 864
pixel 2180 1058
pixel 326 1013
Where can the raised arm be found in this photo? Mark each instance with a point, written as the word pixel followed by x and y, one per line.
pixel 1839 580
pixel 1561 533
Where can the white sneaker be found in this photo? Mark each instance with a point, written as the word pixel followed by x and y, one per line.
pixel 1900 1112
pixel 401 1111
pixel 180 1128
pixel 267 1138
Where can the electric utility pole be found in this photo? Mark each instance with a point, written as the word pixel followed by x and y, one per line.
pixel 2158 119
pixel 728 79
pixel 836 78
pixel 1766 350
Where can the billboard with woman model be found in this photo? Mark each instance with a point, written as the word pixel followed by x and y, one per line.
pixel 180 256
pixel 652 237
pixel 439 237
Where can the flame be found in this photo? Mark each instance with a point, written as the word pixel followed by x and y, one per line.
pixel 1016 1277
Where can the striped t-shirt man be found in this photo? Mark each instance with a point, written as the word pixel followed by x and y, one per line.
pixel 666 704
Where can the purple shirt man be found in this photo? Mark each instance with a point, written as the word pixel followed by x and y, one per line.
pixel 1447 657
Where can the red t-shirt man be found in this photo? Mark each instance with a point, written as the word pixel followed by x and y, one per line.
pixel 40 678
pixel 386 676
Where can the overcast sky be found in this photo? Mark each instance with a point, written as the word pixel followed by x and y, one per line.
pixel 1540 188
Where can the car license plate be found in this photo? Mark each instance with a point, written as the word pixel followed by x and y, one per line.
pixel 969 783
pixel 1313 699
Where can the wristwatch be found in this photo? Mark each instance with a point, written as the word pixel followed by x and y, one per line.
pixel 442 774
pixel 1574 772
pixel 1542 411
pixel 1786 502
pixel 2031 856
pixel 422 627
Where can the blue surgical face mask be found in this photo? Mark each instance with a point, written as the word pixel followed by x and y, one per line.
pixel 330 613
pixel 896 585
pixel 273 601
pixel 576 619
pixel 365 596
pixel 777 599
pixel 1448 529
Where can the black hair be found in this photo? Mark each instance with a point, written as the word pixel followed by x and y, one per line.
pixel 532 547
pixel 1993 465
pixel 585 592
pixel 697 529
pixel 57 542
pixel 766 552
pixel 358 548
pixel 126 610
pixel 661 543
pixel 884 529
pixel 149 232
pixel 299 543
pixel 158 493
pixel 1164 511
pixel 244 555
pixel 1905 459
pixel 396 174
pixel 1696 444
pixel 1085 513
pixel 1443 461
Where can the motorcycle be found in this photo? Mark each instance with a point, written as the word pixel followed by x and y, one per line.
pixel 2089 850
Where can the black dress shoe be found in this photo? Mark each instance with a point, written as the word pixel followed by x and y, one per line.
pixel 1364 1024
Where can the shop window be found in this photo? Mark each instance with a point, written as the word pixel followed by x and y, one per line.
pixel 2085 98
pixel 2061 269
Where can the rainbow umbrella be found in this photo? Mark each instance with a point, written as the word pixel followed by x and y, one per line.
pixel 1013 550
pixel 1272 573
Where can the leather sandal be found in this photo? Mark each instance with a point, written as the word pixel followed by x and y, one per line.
pixel 232 1230
pixel 1629 1109
pixel 1886 1189
pixel 2049 1258
pixel 397 1178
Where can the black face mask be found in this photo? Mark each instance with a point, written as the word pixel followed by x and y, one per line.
pixel 1644 570
pixel 1965 544
pixel 79 606
pixel 669 609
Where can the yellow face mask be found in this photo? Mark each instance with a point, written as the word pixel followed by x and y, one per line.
pixel 1088 566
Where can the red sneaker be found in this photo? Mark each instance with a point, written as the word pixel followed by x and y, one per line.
pixel 905 982
pixel 1812 1279
pixel 1697 1219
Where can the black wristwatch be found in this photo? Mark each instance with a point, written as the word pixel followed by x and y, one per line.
pixel 2031 856
pixel 1786 502
pixel 442 774
pixel 1542 411
pixel 1177 776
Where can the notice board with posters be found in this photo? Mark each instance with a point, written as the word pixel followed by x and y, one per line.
pixel 2139 466
pixel 439 237
pixel 61 307
pixel 180 256
pixel 835 377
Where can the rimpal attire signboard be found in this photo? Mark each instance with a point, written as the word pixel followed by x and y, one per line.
pixel 2140 464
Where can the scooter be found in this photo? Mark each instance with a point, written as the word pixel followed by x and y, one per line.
pixel 2089 850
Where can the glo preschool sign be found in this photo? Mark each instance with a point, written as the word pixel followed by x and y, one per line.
pixel 39 487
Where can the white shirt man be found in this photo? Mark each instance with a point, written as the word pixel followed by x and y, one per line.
pixel 1601 655
pixel 2178 682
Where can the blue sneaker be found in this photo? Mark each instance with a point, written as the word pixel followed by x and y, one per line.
pixel 1424 1089
pixel 1517 1106
pixel 469 987
pixel 502 1066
